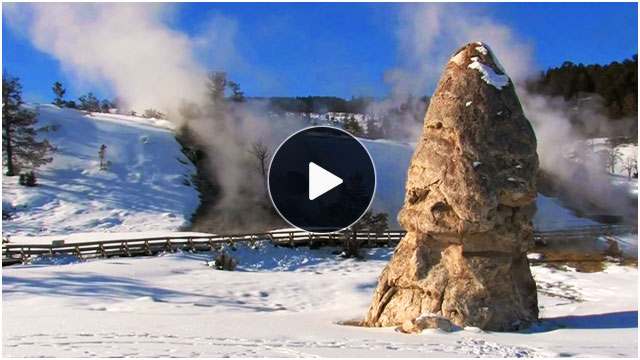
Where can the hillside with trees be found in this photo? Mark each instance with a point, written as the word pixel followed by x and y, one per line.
pixel 615 84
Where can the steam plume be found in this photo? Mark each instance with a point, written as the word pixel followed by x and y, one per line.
pixel 132 49
pixel 431 33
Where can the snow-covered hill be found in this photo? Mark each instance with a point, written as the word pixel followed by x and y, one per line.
pixel 146 188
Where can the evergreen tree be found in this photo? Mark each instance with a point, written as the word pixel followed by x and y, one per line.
pixel 105 106
pixel 373 130
pixel 59 91
pixel 20 149
pixel 237 96
pixel 89 102
pixel 352 126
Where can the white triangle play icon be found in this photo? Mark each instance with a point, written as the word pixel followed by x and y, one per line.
pixel 321 181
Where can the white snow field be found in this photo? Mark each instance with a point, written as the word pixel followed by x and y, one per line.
pixel 284 303
pixel 143 190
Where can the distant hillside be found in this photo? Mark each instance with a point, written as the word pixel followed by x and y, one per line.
pixel 615 83
pixel 147 186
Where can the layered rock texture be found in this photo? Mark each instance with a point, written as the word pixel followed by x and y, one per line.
pixel 470 197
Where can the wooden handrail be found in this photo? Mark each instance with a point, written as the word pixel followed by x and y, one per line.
pixel 278 237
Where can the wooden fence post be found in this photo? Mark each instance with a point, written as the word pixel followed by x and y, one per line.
pixel 147 248
pixel 101 250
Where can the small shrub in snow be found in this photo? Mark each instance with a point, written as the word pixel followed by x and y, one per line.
pixel 225 262
pixel 50 128
pixel 612 248
pixel 28 179
pixel 351 247
pixel 153 113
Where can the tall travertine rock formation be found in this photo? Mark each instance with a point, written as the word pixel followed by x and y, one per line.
pixel 470 197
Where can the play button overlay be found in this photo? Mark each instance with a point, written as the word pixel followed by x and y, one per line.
pixel 321 179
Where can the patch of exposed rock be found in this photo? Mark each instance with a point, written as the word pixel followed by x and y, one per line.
pixel 470 197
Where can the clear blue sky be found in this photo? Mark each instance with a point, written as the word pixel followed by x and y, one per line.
pixel 304 44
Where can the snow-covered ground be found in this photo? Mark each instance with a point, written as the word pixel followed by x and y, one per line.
pixel 282 303
pixel 143 190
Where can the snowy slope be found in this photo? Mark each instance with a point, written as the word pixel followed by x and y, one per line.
pixel 284 303
pixel 143 190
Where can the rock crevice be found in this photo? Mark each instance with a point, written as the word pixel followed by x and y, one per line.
pixel 470 197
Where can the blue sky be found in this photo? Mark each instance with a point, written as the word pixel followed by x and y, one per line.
pixel 345 49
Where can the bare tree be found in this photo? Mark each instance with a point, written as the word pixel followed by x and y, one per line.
pixel 217 85
pixel 261 153
pixel 610 156
pixel 581 152
pixel 631 164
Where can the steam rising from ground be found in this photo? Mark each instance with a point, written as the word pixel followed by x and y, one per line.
pixel 132 49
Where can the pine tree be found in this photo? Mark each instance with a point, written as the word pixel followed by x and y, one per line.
pixel 20 149
pixel 59 91
pixel 89 102
pixel 105 106
pixel 237 96
pixel 373 130
pixel 352 126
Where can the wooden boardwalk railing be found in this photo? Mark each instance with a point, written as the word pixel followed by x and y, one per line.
pixel 20 253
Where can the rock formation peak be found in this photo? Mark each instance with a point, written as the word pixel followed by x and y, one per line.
pixel 470 196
